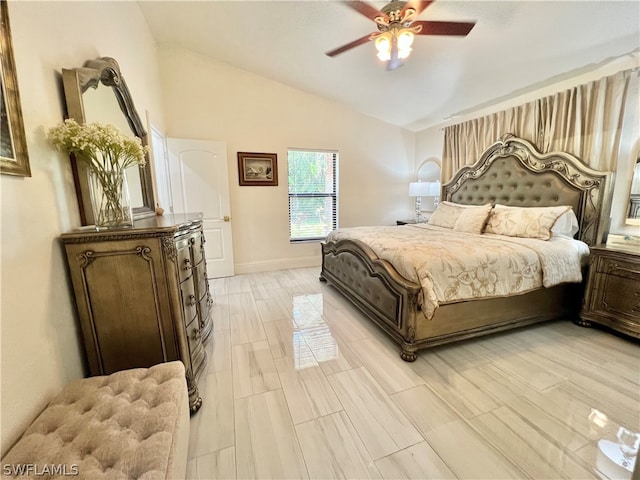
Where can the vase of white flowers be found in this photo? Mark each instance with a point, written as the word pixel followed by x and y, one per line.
pixel 107 154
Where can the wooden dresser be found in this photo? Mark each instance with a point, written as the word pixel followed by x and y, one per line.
pixel 612 297
pixel 142 295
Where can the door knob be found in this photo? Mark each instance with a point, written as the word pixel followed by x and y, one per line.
pixel 226 218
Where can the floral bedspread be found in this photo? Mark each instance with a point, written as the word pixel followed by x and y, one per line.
pixel 452 266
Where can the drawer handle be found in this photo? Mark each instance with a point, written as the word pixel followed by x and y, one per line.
pixel 197 334
pixel 187 264
pixel 209 301
pixel 192 300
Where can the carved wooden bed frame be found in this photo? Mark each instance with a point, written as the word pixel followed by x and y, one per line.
pixel 510 172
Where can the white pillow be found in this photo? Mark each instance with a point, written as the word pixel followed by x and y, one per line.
pixel 526 222
pixel 473 218
pixel 566 225
pixel 447 213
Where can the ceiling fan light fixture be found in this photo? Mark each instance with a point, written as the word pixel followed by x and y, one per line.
pixel 405 39
pixel 383 46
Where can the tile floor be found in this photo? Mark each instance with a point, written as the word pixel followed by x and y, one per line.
pixel 300 385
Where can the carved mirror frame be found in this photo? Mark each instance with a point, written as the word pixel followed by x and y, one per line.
pixel 76 81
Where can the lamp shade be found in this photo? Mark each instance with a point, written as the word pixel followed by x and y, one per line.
pixel 418 189
pixel 424 189
pixel 434 189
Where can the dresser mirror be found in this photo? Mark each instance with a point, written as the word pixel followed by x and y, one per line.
pixel 633 211
pixel 97 92
pixel 430 171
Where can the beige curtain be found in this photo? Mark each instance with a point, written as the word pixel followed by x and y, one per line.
pixel 585 121
pixel 465 142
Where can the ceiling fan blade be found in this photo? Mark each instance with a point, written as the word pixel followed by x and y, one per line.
pixel 443 28
pixel 365 9
pixel 417 5
pixel 348 46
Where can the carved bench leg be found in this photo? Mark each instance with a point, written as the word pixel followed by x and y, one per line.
pixel 321 278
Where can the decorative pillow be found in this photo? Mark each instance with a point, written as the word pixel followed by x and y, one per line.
pixel 473 218
pixel 446 214
pixel 566 225
pixel 526 222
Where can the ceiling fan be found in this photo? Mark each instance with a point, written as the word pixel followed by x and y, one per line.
pixel 397 26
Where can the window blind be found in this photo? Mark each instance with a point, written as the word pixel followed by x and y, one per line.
pixel 313 196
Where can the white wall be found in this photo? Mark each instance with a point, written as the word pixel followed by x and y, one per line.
pixel 41 350
pixel 206 99
pixel 430 142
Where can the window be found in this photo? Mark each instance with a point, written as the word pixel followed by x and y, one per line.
pixel 313 198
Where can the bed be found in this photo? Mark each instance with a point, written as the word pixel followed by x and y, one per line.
pixel 511 173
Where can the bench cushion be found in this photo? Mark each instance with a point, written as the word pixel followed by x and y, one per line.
pixel 131 424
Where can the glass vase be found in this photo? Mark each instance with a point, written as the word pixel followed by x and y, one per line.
pixel 110 199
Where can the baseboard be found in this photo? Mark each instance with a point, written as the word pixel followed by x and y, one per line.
pixel 279 264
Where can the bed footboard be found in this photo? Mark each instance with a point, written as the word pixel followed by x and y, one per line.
pixel 376 288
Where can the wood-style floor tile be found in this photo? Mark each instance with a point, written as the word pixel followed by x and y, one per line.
pixel 385 365
pixel 332 449
pixel 220 465
pixel 266 442
pixel 384 429
pixel 213 428
pixel 220 313
pixel 280 335
pixel 417 462
pixel 469 455
pixel 253 369
pixel 414 402
pixel 246 328
pixel 307 390
pixel 345 357
pixel 271 309
pixel 219 352
pixel 537 452
pixel 553 410
pixel 452 386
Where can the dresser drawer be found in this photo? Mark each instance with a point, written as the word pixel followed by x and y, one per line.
pixel 196 349
pixel 197 246
pixel 185 265
pixel 189 300
pixel 201 281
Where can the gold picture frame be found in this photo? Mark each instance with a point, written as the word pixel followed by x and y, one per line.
pixel 260 169
pixel 14 158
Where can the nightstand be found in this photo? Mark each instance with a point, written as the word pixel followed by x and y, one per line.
pixel 612 297
pixel 412 221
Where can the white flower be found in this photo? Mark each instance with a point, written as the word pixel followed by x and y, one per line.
pixel 103 147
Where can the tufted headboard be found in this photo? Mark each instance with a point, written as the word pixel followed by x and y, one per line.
pixel 512 172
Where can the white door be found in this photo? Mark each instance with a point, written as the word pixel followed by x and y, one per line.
pixel 161 169
pixel 200 183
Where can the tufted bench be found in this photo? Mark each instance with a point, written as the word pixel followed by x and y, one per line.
pixel 128 425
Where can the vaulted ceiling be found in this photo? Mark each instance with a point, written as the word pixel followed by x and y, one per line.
pixel 514 46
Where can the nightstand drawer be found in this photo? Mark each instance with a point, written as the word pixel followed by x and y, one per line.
pixel 616 266
pixel 615 294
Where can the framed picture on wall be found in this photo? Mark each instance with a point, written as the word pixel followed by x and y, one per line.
pixel 260 169
pixel 14 159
